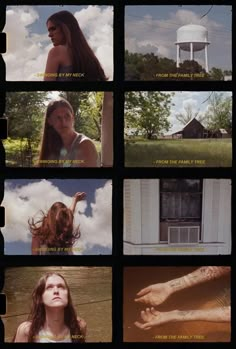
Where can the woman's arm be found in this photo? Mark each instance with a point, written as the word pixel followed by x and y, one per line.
pixel 35 245
pixel 158 293
pixel 199 276
pixel 152 317
pixel 107 130
pixel 77 197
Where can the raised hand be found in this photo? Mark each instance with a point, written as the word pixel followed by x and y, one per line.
pixel 79 196
pixel 154 294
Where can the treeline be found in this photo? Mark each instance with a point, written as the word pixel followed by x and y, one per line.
pixel 147 113
pixel 148 66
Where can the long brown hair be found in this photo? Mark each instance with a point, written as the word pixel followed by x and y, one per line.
pixel 37 314
pixel 83 57
pixel 51 141
pixel 55 229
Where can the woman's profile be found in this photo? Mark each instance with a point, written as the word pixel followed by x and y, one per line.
pixel 54 232
pixel 71 58
pixel 53 317
pixel 61 145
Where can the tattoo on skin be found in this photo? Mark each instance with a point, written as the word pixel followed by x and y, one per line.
pixel 186 313
pixel 198 276
pixel 205 274
pixel 176 283
pixel 213 272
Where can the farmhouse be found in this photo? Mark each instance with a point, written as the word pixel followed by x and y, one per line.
pixel 177 216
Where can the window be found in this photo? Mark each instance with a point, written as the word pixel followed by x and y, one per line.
pixel 180 204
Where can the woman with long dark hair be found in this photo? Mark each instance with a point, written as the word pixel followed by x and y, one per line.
pixel 54 232
pixel 52 318
pixel 71 58
pixel 61 145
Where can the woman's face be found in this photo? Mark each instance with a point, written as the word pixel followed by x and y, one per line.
pixel 62 120
pixel 56 34
pixel 55 293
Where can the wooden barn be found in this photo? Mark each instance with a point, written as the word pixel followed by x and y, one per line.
pixel 193 129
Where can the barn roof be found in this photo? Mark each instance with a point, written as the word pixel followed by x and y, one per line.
pixel 222 130
pixel 189 122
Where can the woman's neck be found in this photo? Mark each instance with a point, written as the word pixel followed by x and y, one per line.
pixel 54 322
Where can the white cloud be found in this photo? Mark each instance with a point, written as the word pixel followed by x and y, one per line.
pixel 190 101
pixel 27 51
pixel 22 203
pixel 147 34
pixel 96 230
pixel 97 25
pixel 25 56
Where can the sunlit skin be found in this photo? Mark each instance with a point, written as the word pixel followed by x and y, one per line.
pixel 55 293
pixel 55 34
pixel 59 55
pixel 62 120
pixel 55 300
pixel 152 318
pixel 156 294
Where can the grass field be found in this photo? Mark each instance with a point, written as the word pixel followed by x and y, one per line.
pixel 179 153
pixel 17 156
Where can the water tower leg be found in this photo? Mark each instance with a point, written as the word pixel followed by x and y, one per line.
pixel 177 55
pixel 191 51
pixel 206 60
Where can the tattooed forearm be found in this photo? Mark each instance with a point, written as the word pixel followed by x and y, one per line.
pixel 213 272
pixel 198 276
pixel 176 283
pixel 213 315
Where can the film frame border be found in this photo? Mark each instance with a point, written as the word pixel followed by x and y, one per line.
pixel 121 170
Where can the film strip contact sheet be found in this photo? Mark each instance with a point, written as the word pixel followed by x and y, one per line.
pixel 117 157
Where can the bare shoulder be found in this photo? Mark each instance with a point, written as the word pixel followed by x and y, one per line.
pixel 22 332
pixel 58 51
pixel 88 153
pixel 88 144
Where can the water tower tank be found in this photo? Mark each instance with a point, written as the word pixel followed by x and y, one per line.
pixel 192 33
pixel 192 38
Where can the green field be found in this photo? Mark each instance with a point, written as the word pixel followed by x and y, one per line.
pixel 178 153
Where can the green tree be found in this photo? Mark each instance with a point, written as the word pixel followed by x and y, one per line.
pixel 189 67
pixel 148 111
pixel 147 66
pixel 219 112
pixel 25 112
pixel 216 74
pixel 87 107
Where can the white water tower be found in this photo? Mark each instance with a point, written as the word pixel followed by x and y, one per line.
pixel 192 38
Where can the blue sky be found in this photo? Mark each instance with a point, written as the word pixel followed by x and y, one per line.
pixel 199 100
pixel 28 42
pixel 24 198
pixel 39 26
pixel 153 29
